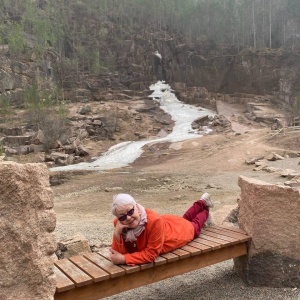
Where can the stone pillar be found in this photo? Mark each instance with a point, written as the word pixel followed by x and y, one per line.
pixel 270 214
pixel 27 222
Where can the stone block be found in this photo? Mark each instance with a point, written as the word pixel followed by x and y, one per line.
pixel 76 245
pixel 270 214
pixel 27 221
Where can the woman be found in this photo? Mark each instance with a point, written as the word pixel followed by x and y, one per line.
pixel 140 234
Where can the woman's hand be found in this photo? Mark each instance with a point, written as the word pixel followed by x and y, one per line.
pixel 117 258
pixel 118 230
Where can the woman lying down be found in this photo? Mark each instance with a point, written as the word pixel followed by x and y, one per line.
pixel 140 235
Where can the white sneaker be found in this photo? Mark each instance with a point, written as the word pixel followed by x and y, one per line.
pixel 206 198
pixel 209 221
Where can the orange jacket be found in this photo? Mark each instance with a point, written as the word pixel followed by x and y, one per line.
pixel 162 234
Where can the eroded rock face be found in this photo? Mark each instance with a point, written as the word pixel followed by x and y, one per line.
pixel 270 214
pixel 27 222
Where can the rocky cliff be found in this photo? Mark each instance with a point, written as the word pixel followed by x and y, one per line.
pixel 202 64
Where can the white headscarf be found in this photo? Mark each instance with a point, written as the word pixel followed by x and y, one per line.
pixel 121 200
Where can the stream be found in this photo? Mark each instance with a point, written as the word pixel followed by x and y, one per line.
pixel 121 155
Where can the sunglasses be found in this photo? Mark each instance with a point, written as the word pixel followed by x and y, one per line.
pixel 123 218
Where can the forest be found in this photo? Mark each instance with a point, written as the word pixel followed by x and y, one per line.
pixel 89 37
pixel 76 29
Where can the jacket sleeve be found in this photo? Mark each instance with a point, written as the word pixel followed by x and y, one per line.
pixel 155 240
pixel 120 247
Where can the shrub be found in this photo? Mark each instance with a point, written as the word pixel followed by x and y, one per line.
pixel 6 109
pixel 47 114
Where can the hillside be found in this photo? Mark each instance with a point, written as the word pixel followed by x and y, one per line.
pixel 65 84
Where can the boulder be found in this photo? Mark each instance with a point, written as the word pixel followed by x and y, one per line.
pixel 69 149
pixel 274 157
pixel 270 215
pixel 289 173
pixel 97 123
pixel 82 134
pixel 38 138
pixel 17 140
pixel 292 183
pixel 27 223
pixel 23 150
pixel 58 158
pixel 254 160
pixel 10 151
pixel 90 130
pixel 36 148
pixel 76 245
pixel 85 110
pixel 81 151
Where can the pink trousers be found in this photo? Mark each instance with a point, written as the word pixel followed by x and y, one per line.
pixel 197 214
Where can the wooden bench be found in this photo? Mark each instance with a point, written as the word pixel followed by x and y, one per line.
pixel 92 276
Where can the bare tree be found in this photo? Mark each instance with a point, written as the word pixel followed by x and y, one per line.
pixel 270 23
pixel 253 24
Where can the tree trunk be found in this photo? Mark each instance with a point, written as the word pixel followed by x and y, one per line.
pixel 270 15
pixel 253 24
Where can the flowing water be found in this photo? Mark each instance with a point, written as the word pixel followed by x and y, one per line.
pixel 123 154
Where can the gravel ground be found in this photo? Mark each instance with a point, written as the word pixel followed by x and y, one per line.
pixel 214 282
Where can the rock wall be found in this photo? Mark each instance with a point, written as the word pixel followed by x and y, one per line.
pixel 27 222
pixel 17 77
pixel 270 214
pixel 218 69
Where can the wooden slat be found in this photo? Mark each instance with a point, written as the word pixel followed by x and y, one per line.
pixel 203 248
pixel 105 264
pixel 160 261
pixel 130 269
pixel 191 249
pixel 225 232
pixel 147 266
pixel 63 283
pixel 105 252
pixel 235 229
pixel 223 243
pixel 170 256
pixel 237 235
pixel 230 240
pixel 88 267
pixel 73 272
pixel 211 244
pixel 181 253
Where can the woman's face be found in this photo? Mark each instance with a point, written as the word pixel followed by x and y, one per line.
pixel 131 221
